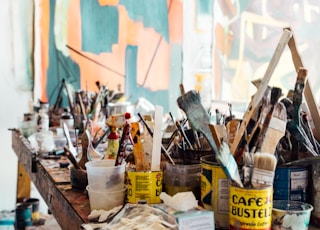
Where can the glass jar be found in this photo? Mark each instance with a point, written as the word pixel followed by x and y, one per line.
pixel 66 117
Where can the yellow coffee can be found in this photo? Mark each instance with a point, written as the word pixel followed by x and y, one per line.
pixel 250 208
pixel 144 187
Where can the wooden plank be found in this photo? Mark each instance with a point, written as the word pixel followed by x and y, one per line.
pixel 23 183
pixel 69 206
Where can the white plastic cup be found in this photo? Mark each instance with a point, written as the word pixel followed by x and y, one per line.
pixel 104 175
pixel 105 199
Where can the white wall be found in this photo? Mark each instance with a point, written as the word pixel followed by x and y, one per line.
pixel 14 99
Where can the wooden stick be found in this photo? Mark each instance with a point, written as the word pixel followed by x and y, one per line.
pixel 253 106
pixel 82 108
pixel 215 135
pixel 156 140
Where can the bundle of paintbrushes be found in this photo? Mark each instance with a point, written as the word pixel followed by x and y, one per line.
pixel 199 120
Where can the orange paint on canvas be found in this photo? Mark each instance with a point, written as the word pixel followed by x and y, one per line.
pixel 153 62
pixel 108 2
pixel 44 8
pixel 91 72
pixel 175 21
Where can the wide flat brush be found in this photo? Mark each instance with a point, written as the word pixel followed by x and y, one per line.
pixel 274 125
pixel 276 129
pixel 263 169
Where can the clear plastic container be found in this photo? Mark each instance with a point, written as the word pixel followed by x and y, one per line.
pixel 105 199
pixel 182 178
pixel 183 169
pixel 103 175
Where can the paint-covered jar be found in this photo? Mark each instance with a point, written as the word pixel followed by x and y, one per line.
pixel 23 216
pixel 42 121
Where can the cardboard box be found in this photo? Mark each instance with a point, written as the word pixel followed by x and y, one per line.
pixel 195 220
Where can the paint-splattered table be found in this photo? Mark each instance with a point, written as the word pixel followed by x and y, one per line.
pixel 69 206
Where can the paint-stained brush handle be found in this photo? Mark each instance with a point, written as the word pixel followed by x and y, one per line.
pixel 71 158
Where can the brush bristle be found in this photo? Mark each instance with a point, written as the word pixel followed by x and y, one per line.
pixel 264 169
pixel 265 161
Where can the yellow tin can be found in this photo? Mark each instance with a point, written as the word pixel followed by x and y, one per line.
pixel 250 208
pixel 215 191
pixel 144 187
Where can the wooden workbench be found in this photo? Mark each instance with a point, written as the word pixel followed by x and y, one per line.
pixel 69 206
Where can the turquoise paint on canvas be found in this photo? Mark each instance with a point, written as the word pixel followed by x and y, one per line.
pixel 99 27
pixel 134 91
pixel 204 7
pixel 59 67
pixel 131 71
pixel 152 13
pixel 175 78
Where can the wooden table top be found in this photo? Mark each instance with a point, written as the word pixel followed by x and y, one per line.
pixel 69 206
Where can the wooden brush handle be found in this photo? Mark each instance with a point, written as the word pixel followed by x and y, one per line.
pixel 215 135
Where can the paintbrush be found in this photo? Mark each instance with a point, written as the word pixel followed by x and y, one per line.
pixel 263 169
pixel 305 124
pixel 125 136
pixel 232 126
pixel 85 143
pixel 69 95
pixel 199 119
pixel 59 98
pixel 276 129
pixel 296 102
pixel 138 152
pixel 274 125
pixel 72 149
pixel 299 135
pixel 70 156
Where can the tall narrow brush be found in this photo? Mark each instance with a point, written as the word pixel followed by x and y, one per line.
pixel 263 169
pixel 296 101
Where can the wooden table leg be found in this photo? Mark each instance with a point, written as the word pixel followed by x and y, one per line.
pixel 23 183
